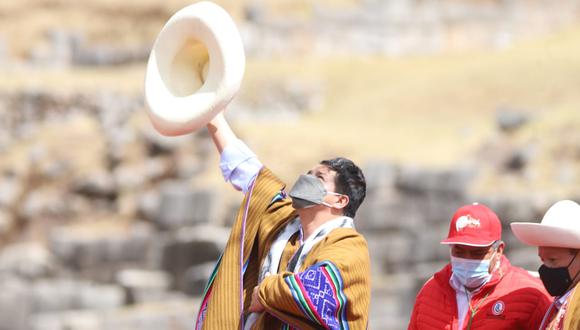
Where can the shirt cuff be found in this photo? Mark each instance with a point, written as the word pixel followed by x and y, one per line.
pixel 239 165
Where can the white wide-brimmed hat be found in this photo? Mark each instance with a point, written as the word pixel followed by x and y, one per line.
pixel 194 70
pixel 560 227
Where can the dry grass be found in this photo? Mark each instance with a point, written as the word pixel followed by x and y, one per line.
pixel 434 111
pixel 24 24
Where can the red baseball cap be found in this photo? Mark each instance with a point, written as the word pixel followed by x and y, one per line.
pixel 474 225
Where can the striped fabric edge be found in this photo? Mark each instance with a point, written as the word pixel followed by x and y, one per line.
pixel 207 291
pixel 338 288
pixel 243 264
pixel 214 273
pixel 286 326
pixel 301 297
pixel 236 256
pixel 281 195
pixel 207 294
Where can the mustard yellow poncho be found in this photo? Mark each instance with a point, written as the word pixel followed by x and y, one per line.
pixel 330 291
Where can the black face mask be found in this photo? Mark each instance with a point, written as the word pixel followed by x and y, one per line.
pixel 557 280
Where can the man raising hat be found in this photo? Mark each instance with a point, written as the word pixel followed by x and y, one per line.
pixel 479 288
pixel 558 240
pixel 292 262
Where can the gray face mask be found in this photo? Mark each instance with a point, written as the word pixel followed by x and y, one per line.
pixel 308 191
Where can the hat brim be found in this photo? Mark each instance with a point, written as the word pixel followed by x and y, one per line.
pixel 468 242
pixel 537 234
pixel 178 100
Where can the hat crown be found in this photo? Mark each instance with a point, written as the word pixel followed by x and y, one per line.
pixel 564 214
pixel 475 225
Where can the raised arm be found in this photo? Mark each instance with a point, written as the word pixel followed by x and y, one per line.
pixel 239 165
pixel 221 132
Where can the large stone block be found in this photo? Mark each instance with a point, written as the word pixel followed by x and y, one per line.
pixel 427 246
pixel 391 301
pixel 189 247
pixel 195 278
pixel 509 120
pixel 180 205
pixel 175 314
pixel 514 208
pixel 73 320
pixel 393 213
pixel 423 271
pixel 144 285
pixel 97 185
pixel 27 260
pixel 525 257
pixel 379 176
pixel 100 254
pixel 453 181
pixel 107 55
pixel 391 251
pixel 15 303
pixel 11 187
pixel 57 295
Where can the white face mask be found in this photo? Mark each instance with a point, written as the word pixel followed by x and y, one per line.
pixel 471 273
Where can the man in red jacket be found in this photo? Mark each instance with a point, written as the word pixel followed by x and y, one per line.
pixel 479 288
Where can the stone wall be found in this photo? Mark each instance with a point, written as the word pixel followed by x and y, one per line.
pixel 368 27
pixel 404 27
pixel 130 241
pixel 118 232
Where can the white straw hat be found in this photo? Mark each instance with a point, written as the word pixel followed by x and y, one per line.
pixel 195 68
pixel 560 227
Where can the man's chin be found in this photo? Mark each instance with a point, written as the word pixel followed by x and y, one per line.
pixel 301 204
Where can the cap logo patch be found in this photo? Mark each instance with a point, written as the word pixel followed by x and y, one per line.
pixel 498 307
pixel 467 221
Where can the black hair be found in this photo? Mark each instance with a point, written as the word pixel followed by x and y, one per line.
pixel 349 181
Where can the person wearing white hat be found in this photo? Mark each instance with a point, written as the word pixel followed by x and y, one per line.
pixel 557 237
pixel 290 262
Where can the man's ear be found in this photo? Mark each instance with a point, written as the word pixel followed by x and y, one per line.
pixel 501 247
pixel 342 202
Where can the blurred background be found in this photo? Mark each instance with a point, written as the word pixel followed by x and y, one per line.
pixel 104 224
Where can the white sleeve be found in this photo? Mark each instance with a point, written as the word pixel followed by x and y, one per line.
pixel 239 165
